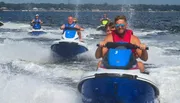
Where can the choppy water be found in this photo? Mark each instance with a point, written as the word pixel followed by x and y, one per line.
pixel 29 74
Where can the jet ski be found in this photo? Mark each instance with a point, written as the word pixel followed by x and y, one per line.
pixel 36 30
pixel 118 80
pixel 1 23
pixel 102 26
pixel 69 46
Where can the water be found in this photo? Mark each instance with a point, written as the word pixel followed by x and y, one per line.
pixel 29 73
pixel 76 9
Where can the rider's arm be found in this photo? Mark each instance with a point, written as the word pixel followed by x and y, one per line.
pixel 142 54
pixel 62 27
pixel 98 53
pixel 101 51
pixel 107 19
pixel 41 22
pixel 32 21
pixel 82 29
pixel 78 27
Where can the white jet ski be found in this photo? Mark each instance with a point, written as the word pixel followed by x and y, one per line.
pixel 118 81
pixel 36 32
pixel 69 46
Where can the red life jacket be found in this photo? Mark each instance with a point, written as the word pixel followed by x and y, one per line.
pixel 126 37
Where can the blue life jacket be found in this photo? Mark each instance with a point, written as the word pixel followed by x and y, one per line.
pixel 119 58
pixel 70 33
pixel 37 24
pixel 70 25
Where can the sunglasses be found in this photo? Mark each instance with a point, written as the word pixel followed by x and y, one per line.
pixel 120 25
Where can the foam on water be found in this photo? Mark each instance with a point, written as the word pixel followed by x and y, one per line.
pixel 26 89
pixel 167 77
pixel 167 69
pixel 49 70
pixel 23 50
pixel 157 57
pixel 89 31
pixel 20 31
pixel 142 32
pixel 11 25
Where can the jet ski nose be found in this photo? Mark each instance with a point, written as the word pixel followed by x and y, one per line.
pixel 118 86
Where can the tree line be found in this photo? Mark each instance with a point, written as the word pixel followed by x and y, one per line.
pixel 89 7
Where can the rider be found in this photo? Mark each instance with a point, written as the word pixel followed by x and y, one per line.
pixel 72 24
pixel 104 20
pixel 76 22
pixel 36 22
pixel 109 28
pixel 122 34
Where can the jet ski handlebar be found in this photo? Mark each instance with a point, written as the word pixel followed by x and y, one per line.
pixel 32 23
pixel 126 45
pixel 35 22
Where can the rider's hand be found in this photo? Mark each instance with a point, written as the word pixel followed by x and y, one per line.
pixel 80 40
pixel 102 43
pixel 62 27
pixel 82 29
pixel 78 28
pixel 142 46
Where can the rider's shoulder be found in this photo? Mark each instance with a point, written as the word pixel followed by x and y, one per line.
pixel 108 38
pixel 135 38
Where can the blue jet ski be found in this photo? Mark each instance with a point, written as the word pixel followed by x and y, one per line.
pixel 115 82
pixel 37 30
pixel 69 46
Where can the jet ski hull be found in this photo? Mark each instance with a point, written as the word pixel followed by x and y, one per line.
pixel 68 49
pixel 101 27
pixel 104 87
pixel 37 32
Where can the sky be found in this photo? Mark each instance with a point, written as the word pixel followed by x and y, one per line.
pixel 170 2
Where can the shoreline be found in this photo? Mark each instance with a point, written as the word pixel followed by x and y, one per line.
pixel 80 11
